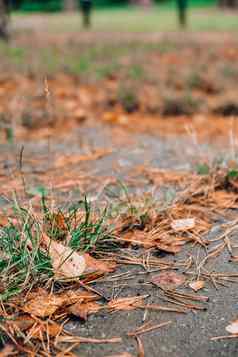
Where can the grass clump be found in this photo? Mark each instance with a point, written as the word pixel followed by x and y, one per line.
pixel 23 262
pixel 91 233
pixel 180 105
pixel 227 108
pixel 128 98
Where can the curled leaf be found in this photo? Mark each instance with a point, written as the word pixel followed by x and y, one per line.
pixel 232 327
pixel 66 263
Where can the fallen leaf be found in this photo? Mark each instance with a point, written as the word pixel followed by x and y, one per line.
pixel 233 327
pixel 95 265
pixel 21 323
pixel 168 280
pixel 73 297
pixel 197 285
pixel 84 309
pixel 7 350
pixel 42 304
pixel 66 263
pixel 43 330
pixel 183 224
pixel 126 304
pixel 3 220
pixel 169 244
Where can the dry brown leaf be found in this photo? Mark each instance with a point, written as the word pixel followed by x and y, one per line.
pixel 42 331
pixel 139 238
pixel 168 280
pixel 42 304
pixel 84 309
pixel 3 220
pixel 232 327
pixel 94 265
pixel 66 263
pixel 73 297
pixel 8 350
pixel 183 225
pixel 126 304
pixel 197 285
pixel 169 244
pixel 21 323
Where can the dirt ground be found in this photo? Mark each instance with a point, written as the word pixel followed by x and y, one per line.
pixel 72 135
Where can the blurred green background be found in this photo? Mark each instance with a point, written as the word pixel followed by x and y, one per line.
pixel 58 5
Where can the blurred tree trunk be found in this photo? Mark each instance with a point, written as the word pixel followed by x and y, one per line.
pixel 86 10
pixel 228 3
pixel 4 19
pixel 182 12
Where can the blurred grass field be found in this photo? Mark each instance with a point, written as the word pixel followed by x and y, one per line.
pixel 132 19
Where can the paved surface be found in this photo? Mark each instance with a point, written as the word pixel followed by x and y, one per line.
pixel 189 334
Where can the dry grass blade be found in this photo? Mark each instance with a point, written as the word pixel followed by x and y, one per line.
pixel 214 253
pixel 78 339
pixel 217 338
pixel 148 329
pixel 180 301
pixel 127 303
pixel 123 354
pixel 141 351
pixel 188 296
pixel 158 307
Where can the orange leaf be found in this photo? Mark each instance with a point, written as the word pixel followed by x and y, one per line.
pixel 197 285
pixel 126 304
pixel 42 330
pixel 168 280
pixel 95 265
pixel 42 305
pixel 84 309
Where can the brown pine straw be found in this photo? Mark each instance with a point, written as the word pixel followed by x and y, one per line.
pixel 141 351
pixel 144 329
pixel 188 296
pixel 158 307
pixel 223 337
pixel 78 339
